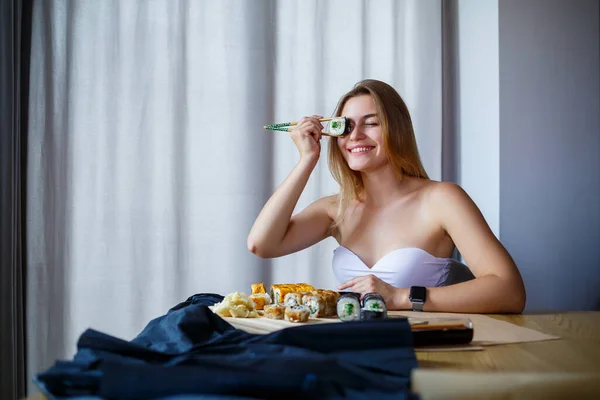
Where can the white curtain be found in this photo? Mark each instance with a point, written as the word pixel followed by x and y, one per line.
pixel 147 158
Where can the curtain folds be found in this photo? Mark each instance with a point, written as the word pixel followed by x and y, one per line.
pixel 15 33
pixel 147 161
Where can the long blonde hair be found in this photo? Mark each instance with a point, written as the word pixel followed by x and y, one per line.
pixel 399 142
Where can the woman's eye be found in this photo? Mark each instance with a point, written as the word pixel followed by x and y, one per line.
pixel 371 124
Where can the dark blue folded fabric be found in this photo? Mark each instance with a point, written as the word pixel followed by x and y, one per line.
pixel 191 353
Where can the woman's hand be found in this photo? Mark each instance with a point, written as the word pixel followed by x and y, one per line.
pixel 307 137
pixel 370 283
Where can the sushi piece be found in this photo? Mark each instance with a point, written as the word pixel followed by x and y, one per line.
pixel 348 307
pixel 303 286
pixel 339 126
pixel 274 311
pixel 278 291
pixel 331 298
pixel 373 302
pixel 307 293
pixel 297 313
pixel 315 304
pixel 258 288
pixel 292 299
pixel 260 300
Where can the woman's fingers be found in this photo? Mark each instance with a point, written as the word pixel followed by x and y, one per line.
pixel 361 284
pixel 318 132
pixel 310 126
pixel 307 136
pixel 350 283
pixel 304 127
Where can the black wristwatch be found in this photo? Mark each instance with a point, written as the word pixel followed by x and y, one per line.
pixel 417 296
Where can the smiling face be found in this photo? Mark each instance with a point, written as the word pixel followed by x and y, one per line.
pixel 372 143
pixel 363 148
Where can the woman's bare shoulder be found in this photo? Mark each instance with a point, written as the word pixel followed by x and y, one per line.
pixel 437 191
pixel 444 197
pixel 436 194
pixel 424 188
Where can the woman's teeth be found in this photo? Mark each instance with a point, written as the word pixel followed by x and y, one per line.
pixel 360 149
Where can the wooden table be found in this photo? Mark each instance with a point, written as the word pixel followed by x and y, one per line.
pixel 564 368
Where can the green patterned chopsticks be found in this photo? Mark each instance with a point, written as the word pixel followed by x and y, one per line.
pixel 339 126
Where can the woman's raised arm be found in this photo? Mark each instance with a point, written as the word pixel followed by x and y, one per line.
pixel 276 232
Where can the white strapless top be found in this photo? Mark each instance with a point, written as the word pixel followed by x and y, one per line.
pixel 401 268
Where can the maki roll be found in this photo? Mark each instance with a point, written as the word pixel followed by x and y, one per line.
pixel 297 313
pixel 374 302
pixel 348 306
pixel 274 311
pixel 339 126
pixel 373 307
pixel 307 294
pixel 334 298
pixel 278 291
pixel 331 298
pixel 315 304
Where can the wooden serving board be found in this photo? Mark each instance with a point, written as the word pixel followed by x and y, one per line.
pixel 487 331
pixel 264 325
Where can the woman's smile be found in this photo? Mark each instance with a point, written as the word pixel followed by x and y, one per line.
pixel 360 150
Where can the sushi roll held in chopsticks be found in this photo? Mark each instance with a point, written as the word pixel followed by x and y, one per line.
pixel 338 126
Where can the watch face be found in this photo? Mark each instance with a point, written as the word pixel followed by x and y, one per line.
pixel 417 293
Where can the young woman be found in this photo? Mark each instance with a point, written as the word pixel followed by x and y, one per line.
pixel 397 229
